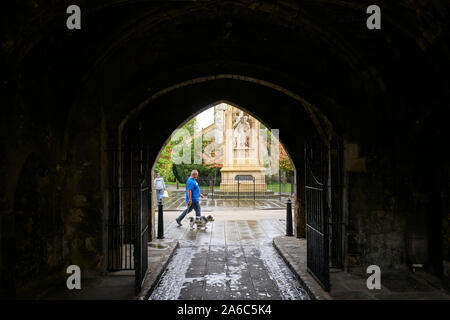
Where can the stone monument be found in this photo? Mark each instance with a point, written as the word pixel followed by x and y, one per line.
pixel 238 133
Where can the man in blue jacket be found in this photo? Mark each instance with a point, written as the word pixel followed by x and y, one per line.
pixel 192 197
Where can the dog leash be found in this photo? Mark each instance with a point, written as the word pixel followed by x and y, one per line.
pixel 188 207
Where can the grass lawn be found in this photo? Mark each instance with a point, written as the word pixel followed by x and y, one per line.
pixel 275 187
pixel 174 184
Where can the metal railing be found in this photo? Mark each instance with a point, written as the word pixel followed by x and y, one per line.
pixel 246 187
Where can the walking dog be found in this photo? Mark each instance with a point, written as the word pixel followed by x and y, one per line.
pixel 200 222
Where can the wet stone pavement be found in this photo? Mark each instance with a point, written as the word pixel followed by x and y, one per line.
pixel 231 259
pixel 176 202
pixel 226 204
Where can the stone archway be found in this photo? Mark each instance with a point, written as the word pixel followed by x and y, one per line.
pixel 313 119
pixel 253 162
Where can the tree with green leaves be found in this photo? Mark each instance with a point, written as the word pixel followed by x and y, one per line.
pixel 164 164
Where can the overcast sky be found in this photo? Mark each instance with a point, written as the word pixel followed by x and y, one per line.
pixel 205 118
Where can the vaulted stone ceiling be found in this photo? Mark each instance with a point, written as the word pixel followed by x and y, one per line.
pixel 321 47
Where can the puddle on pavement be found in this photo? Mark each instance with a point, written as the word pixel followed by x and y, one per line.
pixel 157 246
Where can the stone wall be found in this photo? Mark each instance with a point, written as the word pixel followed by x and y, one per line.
pixel 394 209
pixel 376 230
pixel 64 94
pixel 56 215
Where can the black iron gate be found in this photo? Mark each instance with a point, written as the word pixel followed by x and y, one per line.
pixel 141 259
pixel 317 211
pixel 122 217
pixel 129 226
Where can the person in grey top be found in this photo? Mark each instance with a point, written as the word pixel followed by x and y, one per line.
pixel 159 187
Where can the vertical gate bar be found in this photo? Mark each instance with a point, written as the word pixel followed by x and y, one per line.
pixel 120 213
pixel 131 215
pixel 117 214
pixel 142 228
pixel 121 209
pixel 121 203
pixel 109 221
pixel 149 192
pixel 111 213
pixel 238 185
pixel 119 206
pixel 331 190
pixel 324 223
pixel 120 221
pixel 115 209
pixel 112 221
pixel 137 244
pixel 140 160
pixel 114 218
pixel 254 192
pixel 340 195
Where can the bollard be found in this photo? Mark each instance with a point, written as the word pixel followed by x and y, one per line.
pixel 160 221
pixel 289 232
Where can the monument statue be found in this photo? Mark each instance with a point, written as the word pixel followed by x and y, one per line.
pixel 239 140
pixel 241 131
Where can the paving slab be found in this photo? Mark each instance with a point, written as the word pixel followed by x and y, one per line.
pixel 159 252
pixel 235 268
pixel 395 285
